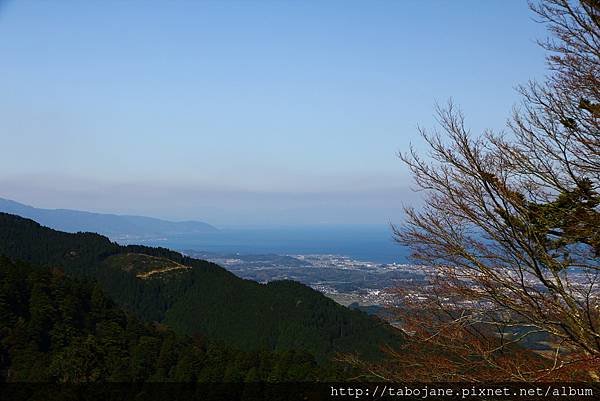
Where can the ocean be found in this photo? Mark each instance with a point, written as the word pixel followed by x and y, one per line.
pixel 367 243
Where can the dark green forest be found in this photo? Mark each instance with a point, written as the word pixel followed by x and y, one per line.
pixel 54 328
pixel 202 322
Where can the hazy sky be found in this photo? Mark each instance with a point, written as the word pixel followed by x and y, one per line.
pixel 244 112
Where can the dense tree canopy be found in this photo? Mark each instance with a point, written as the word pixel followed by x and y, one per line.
pixel 198 298
pixel 53 328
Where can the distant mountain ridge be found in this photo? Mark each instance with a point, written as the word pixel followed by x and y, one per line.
pixel 111 225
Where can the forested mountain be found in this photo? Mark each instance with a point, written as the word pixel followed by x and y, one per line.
pixel 199 298
pixel 106 224
pixel 56 329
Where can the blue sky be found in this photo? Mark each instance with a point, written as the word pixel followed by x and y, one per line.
pixel 245 112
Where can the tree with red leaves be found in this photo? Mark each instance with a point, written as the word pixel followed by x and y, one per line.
pixel 511 226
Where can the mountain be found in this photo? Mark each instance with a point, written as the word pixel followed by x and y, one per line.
pixel 56 329
pixel 111 225
pixel 198 298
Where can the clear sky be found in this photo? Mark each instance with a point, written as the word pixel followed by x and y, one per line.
pixel 244 112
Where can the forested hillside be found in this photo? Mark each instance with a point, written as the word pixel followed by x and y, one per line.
pixel 56 329
pixel 195 297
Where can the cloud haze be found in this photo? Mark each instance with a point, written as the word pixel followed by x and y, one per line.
pixel 243 112
pixel 216 206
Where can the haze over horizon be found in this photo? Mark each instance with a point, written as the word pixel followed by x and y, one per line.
pixel 244 113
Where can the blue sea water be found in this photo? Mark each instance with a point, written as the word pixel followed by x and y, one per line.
pixel 368 243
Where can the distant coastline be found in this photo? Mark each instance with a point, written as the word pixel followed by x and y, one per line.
pixel 372 243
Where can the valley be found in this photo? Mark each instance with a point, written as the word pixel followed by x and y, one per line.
pixel 350 282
